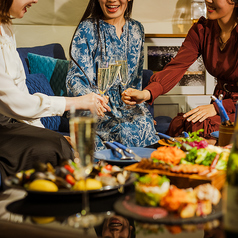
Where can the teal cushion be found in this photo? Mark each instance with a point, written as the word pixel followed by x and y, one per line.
pixel 55 70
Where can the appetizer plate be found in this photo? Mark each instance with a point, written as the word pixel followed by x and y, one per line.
pixel 215 134
pixel 64 193
pixel 113 158
pixel 128 207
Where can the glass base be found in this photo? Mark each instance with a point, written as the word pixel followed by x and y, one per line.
pixel 89 220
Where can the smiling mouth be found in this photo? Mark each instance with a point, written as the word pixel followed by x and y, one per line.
pixel 211 8
pixel 112 8
pixel 114 225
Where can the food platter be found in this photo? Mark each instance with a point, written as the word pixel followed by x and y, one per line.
pixel 64 193
pixel 112 158
pixel 184 180
pixel 127 206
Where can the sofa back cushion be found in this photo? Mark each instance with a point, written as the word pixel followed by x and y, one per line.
pixel 55 70
pixel 37 83
pixel 53 50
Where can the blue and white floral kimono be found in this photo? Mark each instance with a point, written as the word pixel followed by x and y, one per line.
pixel 132 127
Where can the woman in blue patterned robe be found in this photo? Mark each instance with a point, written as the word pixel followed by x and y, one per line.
pixel 95 39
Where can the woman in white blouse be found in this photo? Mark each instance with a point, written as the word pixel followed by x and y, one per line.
pixel 21 144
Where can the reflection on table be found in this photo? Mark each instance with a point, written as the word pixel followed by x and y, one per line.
pixel 50 218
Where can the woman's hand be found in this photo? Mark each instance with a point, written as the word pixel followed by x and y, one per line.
pixel 133 96
pixel 201 113
pixel 91 101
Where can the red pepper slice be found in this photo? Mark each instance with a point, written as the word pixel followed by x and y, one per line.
pixel 70 179
pixel 69 168
pixel 214 162
pixel 104 174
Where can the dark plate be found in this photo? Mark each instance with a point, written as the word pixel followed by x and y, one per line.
pixel 113 158
pixel 170 219
pixel 64 193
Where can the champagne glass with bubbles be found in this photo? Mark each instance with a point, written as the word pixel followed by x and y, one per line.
pixel 103 76
pixel 82 133
pixel 123 75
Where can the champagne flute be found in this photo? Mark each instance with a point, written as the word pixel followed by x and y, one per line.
pixel 103 76
pixel 123 75
pixel 82 133
pixel 114 71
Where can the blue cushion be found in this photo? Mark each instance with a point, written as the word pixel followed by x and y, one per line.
pixel 39 83
pixel 163 123
pixel 55 70
pixel 54 50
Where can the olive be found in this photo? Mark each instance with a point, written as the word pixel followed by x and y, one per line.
pixel 40 167
pixel 61 183
pixel 61 172
pixel 37 175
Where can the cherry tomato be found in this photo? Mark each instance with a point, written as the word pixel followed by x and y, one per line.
pixel 108 167
pixel 70 179
pixel 69 168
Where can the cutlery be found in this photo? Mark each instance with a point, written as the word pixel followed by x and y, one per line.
pixel 185 134
pixel 184 146
pixel 225 120
pixel 117 149
pixel 167 137
pixel 130 151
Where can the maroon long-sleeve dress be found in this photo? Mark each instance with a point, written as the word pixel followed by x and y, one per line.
pixel 202 39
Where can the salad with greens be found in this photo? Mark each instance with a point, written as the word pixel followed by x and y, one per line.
pixel 213 156
pixel 194 140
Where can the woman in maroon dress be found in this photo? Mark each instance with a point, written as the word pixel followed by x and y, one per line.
pixel 216 39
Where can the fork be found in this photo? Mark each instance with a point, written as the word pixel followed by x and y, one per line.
pixel 118 149
pixel 130 151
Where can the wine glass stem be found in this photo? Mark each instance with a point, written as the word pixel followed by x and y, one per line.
pixel 85 202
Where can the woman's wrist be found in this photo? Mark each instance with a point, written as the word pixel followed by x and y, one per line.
pixel 147 95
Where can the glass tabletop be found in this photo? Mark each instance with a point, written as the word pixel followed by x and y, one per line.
pixel 18 209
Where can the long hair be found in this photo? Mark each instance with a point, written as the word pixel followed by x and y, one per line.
pixel 236 6
pixel 95 12
pixel 5 6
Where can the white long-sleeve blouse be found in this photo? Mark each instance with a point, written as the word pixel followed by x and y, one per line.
pixel 15 100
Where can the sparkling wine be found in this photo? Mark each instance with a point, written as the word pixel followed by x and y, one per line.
pixel 103 78
pixel 123 71
pixel 82 133
pixel 114 70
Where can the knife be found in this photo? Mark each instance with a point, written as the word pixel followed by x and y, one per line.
pixel 117 149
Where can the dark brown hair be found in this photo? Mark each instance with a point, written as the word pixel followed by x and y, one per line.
pixel 236 6
pixel 5 6
pixel 94 10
